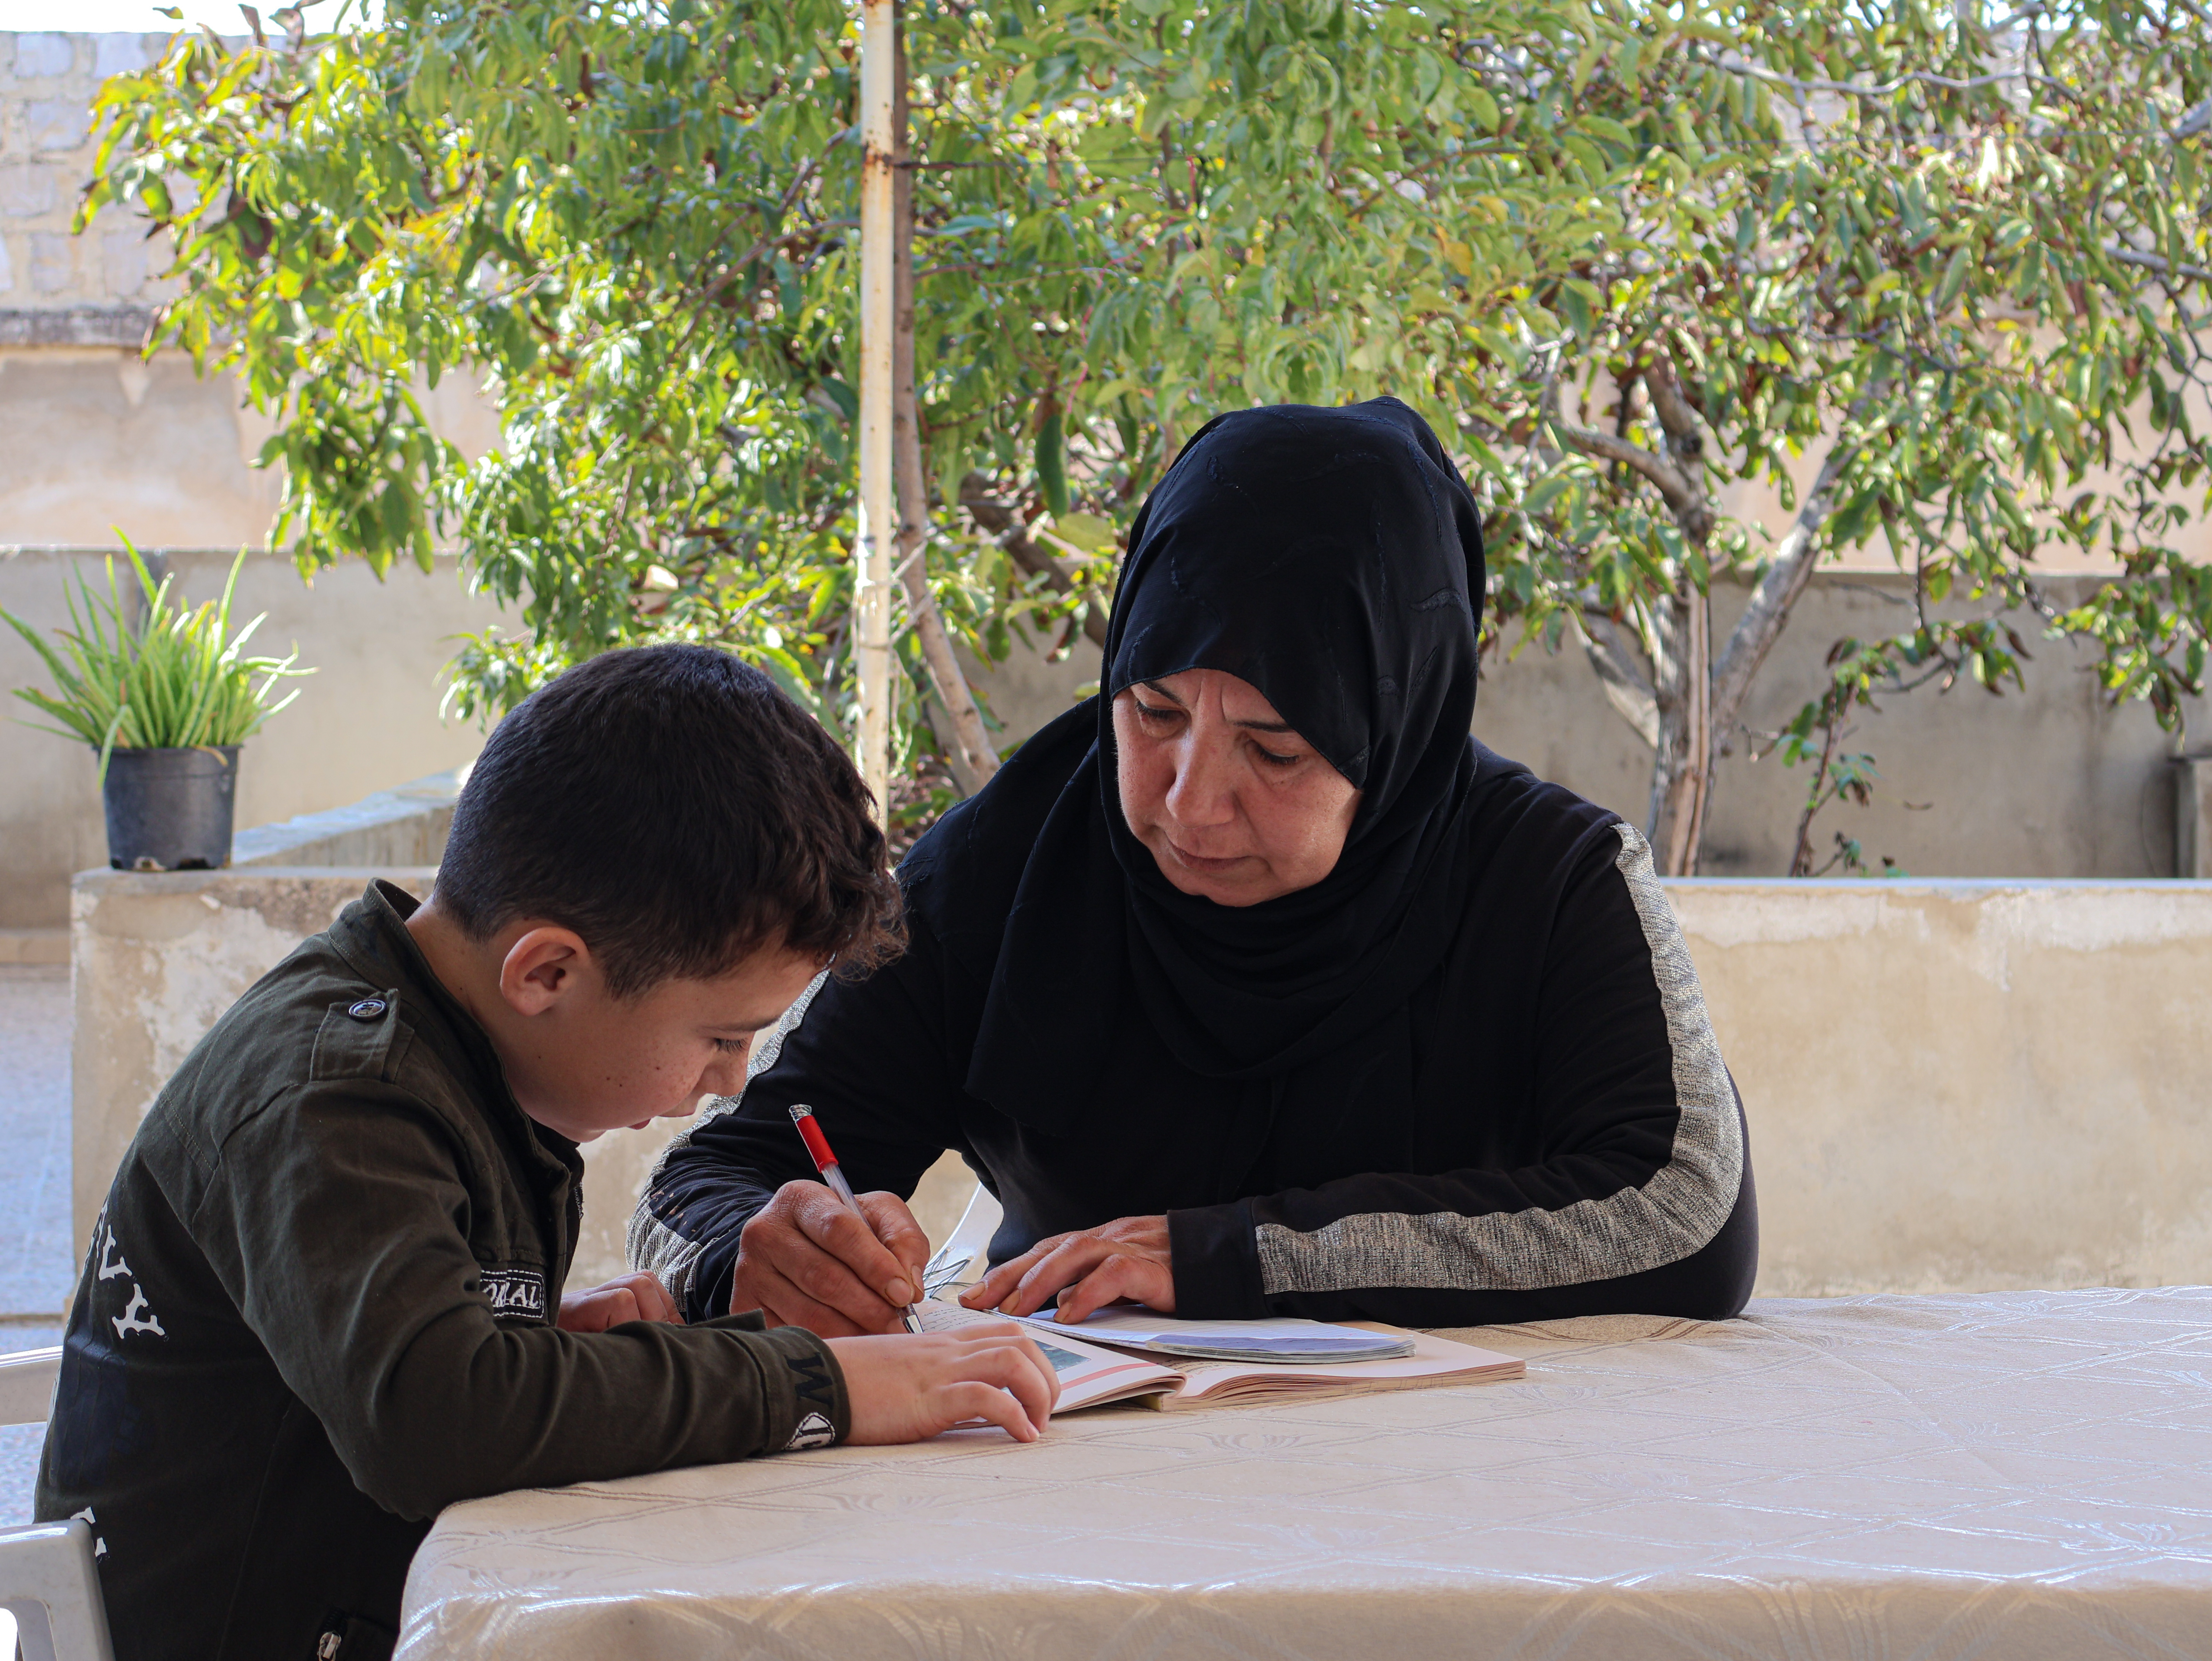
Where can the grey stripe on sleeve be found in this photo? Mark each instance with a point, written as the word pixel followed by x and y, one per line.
pixel 1674 1214
pixel 652 1246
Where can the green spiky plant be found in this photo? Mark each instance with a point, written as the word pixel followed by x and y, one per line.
pixel 179 680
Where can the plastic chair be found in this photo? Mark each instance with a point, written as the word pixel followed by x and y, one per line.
pixel 27 1378
pixel 48 1581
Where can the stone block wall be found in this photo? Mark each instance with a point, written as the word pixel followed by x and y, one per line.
pixel 47 84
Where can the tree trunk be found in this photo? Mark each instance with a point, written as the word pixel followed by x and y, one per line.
pixel 1776 595
pixel 968 747
pixel 1681 690
pixel 1681 772
pixel 1689 709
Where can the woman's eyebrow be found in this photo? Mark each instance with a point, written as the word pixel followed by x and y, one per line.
pixel 1256 725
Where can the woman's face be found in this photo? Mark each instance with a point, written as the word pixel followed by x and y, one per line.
pixel 1235 807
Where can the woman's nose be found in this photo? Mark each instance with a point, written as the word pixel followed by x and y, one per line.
pixel 1201 794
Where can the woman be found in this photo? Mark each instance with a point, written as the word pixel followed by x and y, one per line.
pixel 1255 985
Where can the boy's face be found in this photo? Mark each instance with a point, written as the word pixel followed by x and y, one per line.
pixel 597 1063
pixel 583 1061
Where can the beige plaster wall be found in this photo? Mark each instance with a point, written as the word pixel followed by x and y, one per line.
pixel 2049 781
pixel 1952 1086
pixel 1967 1087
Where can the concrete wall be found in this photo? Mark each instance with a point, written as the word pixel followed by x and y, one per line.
pixel 1967 1085
pixel 1952 1086
pixel 156 960
pixel 2050 782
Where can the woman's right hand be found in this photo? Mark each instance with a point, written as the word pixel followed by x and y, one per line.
pixel 805 1261
pixel 907 1387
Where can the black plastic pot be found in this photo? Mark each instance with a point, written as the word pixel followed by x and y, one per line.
pixel 171 810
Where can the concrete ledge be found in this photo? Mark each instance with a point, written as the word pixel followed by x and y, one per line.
pixel 45 947
pixel 75 326
pixel 404 826
pixel 159 956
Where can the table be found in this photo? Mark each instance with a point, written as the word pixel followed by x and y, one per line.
pixel 2010 1476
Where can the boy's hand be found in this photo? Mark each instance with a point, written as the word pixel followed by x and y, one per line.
pixel 908 1388
pixel 807 1261
pixel 626 1298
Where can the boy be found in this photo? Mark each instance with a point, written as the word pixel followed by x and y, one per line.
pixel 323 1299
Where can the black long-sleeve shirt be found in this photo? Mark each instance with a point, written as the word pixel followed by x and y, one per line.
pixel 319 1307
pixel 1563 1138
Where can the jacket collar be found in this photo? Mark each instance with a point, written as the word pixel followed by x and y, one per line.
pixel 372 935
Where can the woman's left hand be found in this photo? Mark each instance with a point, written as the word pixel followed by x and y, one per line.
pixel 1093 1267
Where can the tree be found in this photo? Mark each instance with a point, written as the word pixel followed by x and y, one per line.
pixel 1945 258
pixel 1622 253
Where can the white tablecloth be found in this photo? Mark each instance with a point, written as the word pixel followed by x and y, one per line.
pixel 2007 1476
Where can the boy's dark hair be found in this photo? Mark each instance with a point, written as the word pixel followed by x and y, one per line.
pixel 678 812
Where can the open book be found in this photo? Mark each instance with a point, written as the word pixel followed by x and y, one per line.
pixel 1092 1374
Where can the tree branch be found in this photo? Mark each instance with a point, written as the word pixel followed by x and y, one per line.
pixel 1768 614
pixel 1736 64
pixel 969 754
pixel 2151 262
pixel 1606 447
pixel 1626 688
pixel 1000 521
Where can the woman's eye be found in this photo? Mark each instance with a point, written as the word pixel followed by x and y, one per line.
pixel 1153 712
pixel 733 1046
pixel 1275 760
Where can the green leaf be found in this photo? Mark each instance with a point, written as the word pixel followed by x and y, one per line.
pixel 1052 461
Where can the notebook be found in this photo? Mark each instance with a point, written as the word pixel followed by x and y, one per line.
pixel 1280 1338
pixel 1092 1375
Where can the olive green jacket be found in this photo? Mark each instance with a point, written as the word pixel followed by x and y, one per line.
pixel 319 1307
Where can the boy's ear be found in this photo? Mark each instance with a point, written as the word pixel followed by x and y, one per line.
pixel 543 964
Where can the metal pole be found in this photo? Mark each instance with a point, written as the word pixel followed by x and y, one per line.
pixel 878 517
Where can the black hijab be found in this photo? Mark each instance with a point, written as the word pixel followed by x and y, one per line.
pixel 1331 559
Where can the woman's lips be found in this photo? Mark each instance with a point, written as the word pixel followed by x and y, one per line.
pixel 1199 862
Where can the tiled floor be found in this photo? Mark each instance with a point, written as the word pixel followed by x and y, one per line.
pixel 38 1259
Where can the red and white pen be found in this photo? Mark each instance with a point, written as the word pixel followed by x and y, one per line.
pixel 826 1163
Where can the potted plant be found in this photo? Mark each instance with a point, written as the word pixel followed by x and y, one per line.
pixel 166 701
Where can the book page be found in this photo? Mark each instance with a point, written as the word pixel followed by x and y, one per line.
pixel 1089 1375
pixel 1434 1362
pixel 1286 1339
